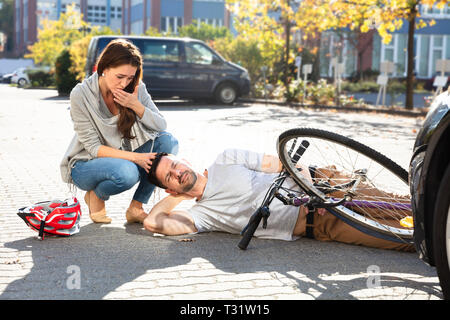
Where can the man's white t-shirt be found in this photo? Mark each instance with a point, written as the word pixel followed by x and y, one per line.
pixel 235 189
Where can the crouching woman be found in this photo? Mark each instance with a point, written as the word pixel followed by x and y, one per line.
pixel 118 130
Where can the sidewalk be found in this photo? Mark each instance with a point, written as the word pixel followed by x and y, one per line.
pixel 120 261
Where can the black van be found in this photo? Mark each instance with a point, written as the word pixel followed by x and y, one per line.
pixel 181 67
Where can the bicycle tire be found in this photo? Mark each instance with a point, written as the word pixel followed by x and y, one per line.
pixel 364 223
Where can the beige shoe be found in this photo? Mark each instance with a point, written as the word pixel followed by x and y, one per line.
pixel 99 216
pixel 132 215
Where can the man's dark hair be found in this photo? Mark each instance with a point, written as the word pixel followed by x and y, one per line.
pixel 152 172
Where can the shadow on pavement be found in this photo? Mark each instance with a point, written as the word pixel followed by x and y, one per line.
pixel 377 126
pixel 109 257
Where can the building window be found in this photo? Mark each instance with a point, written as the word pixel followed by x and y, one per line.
pixel 430 48
pixel 116 12
pixel 396 52
pixel 213 22
pixel 171 24
pixel 435 12
pixel 96 14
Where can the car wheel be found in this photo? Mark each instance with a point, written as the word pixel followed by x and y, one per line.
pixel 441 234
pixel 21 82
pixel 226 93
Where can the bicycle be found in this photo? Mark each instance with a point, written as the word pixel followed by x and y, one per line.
pixel 352 181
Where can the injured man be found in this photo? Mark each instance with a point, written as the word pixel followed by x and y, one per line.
pixel 229 192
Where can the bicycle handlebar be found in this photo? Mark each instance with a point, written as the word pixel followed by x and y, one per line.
pixel 250 229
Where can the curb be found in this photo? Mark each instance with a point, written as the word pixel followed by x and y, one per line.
pixel 407 113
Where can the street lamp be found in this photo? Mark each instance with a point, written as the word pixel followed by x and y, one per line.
pixel 84 29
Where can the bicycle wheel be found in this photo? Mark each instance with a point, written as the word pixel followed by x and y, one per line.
pixel 380 203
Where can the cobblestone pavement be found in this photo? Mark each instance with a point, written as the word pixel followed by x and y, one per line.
pixel 120 261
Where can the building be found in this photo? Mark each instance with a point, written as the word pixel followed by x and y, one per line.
pixel 126 16
pixel 431 43
pixel 169 15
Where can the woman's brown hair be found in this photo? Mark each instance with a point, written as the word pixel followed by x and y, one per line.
pixel 117 53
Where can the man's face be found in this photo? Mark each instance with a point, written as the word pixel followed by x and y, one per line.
pixel 177 175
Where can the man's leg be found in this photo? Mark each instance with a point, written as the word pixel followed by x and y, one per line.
pixel 327 227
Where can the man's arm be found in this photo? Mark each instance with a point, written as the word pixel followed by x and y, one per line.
pixel 163 219
pixel 272 164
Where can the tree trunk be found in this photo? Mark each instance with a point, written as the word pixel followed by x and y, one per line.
pixel 315 75
pixel 409 103
pixel 286 62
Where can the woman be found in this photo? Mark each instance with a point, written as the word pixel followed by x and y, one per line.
pixel 118 130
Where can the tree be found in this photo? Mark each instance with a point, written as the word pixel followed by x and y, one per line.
pixel 385 16
pixel 79 48
pixel 271 24
pixel 65 79
pixel 56 35
pixel 242 51
pixel 7 22
pixel 204 32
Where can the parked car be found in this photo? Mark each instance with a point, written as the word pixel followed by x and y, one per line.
pixel 7 78
pixel 181 67
pixel 20 77
pixel 429 179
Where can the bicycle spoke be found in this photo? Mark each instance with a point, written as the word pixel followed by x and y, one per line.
pixel 381 192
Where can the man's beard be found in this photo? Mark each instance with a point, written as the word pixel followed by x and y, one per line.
pixel 192 177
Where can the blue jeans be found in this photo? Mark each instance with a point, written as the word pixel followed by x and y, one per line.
pixel 110 176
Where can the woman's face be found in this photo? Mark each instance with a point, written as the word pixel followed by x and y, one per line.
pixel 119 77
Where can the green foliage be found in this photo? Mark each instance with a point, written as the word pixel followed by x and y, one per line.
pixel 57 35
pixel 362 86
pixel 41 78
pixel 321 93
pixel 7 23
pixel 204 32
pixel 78 50
pixel 152 32
pixel 64 78
pixel 245 53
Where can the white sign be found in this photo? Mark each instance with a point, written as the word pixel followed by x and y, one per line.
pixel 307 68
pixel 387 67
pixel 298 61
pixel 440 81
pixel 382 80
pixel 443 65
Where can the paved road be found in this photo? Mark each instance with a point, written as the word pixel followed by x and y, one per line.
pixel 120 261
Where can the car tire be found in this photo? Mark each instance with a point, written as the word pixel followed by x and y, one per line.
pixel 226 93
pixel 22 82
pixel 441 234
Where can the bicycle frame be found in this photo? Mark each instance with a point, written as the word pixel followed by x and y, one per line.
pixel 263 211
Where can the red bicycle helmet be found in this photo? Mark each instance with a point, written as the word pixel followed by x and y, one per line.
pixel 55 217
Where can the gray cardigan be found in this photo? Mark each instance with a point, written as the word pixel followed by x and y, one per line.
pixel 94 125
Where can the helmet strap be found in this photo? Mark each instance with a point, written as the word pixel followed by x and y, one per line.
pixel 41 229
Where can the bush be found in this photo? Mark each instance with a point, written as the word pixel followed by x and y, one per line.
pixel 363 86
pixel 64 78
pixel 41 78
pixel 321 93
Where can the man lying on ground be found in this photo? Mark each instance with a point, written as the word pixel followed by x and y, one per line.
pixel 230 191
